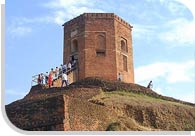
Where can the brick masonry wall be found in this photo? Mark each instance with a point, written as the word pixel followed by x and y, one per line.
pixel 44 114
pixel 100 66
pixel 76 24
pixel 124 32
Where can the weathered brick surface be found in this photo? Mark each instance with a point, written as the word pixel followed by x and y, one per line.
pixel 85 29
pixel 48 109
pixel 43 114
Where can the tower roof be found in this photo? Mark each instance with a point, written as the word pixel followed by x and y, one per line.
pixel 97 15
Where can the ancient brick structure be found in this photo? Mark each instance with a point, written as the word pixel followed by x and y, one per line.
pixel 102 43
pixel 89 105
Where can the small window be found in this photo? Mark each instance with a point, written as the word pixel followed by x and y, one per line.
pixel 124 46
pixel 100 53
pixel 100 45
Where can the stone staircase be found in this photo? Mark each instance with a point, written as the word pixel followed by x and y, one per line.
pixel 72 77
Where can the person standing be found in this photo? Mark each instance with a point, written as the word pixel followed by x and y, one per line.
pixel 46 77
pixel 64 79
pixel 41 78
pixel 56 72
pixel 52 72
pixel 50 79
pixel 69 66
pixel 150 85
pixel 60 72
pixel 64 67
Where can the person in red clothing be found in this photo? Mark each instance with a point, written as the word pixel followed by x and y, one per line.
pixel 50 79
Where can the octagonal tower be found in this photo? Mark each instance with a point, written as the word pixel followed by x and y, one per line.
pixel 102 44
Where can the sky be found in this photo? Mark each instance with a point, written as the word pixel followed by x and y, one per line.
pixel 163 41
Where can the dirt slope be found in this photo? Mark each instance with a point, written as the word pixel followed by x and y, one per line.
pixel 95 104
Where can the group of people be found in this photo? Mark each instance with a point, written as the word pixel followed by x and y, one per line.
pixel 62 71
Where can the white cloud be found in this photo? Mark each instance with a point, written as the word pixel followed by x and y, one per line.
pixel 64 10
pixel 18 27
pixel 187 97
pixel 22 26
pixel 143 31
pixel 18 31
pixel 170 71
pixel 174 6
pixel 174 32
pixel 179 31
pixel 25 20
pixel 190 4
pixel 61 16
pixel 64 4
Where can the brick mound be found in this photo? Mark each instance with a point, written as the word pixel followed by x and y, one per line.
pixel 40 92
pixel 84 106
pixel 44 108
pixel 117 86
pixel 82 86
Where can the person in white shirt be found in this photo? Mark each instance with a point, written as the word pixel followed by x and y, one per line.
pixel 56 72
pixel 64 79
pixel 69 66
pixel 46 77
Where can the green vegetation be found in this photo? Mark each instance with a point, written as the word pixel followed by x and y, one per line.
pixel 116 126
pixel 147 111
pixel 124 95
pixel 111 106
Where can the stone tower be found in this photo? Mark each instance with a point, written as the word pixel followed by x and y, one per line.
pixel 102 44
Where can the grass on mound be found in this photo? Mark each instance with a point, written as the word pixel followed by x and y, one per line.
pixel 122 96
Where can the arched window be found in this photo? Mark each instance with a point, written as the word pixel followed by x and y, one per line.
pixel 123 46
pixel 101 45
pixel 74 46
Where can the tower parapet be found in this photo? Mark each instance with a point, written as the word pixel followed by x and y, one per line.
pixel 97 15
